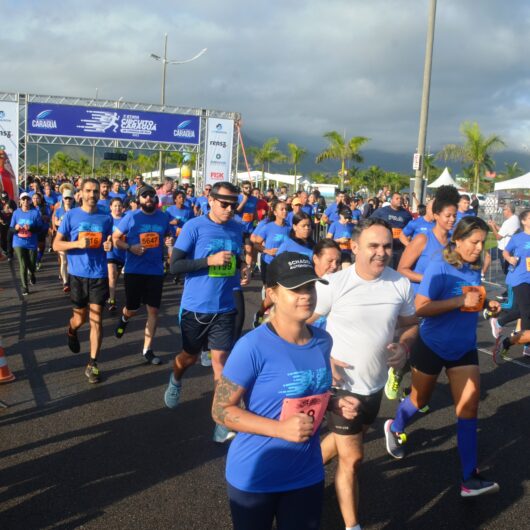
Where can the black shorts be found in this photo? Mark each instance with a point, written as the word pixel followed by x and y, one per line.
pixel 84 291
pixel 263 269
pixel 118 262
pixel 206 331
pixel 142 289
pixel 246 238
pixel 368 411
pixel 425 360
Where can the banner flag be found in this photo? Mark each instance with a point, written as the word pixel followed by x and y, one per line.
pixel 218 156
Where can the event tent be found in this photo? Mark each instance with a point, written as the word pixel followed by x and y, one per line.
pixel 519 183
pixel 444 179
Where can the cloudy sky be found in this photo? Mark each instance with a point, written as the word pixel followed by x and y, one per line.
pixel 294 69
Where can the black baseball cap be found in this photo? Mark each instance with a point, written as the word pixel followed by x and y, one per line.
pixel 291 270
pixel 143 189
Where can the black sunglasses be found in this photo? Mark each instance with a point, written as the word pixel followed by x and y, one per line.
pixel 68 198
pixel 146 194
pixel 25 199
pixel 226 204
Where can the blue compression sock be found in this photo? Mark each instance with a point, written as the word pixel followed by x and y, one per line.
pixel 467 445
pixel 404 413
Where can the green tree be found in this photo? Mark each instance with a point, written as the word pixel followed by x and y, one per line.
pixel 342 150
pixel 475 151
pixel 83 167
pixel 62 163
pixel 373 178
pixel 296 155
pixel 266 155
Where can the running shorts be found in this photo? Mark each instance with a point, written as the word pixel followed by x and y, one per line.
pixel 206 331
pixel 367 413
pixel 84 291
pixel 422 358
pixel 142 289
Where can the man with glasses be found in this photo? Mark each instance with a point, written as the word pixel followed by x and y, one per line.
pixel 85 235
pixel 147 230
pixel 246 214
pixel 208 251
pixel 202 204
pixel 138 183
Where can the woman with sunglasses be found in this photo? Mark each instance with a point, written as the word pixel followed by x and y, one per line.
pixel 274 466
pixel 25 225
pixel 67 204
pixel 449 299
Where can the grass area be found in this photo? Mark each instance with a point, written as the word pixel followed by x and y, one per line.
pixel 491 242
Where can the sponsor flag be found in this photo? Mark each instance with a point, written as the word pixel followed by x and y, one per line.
pixel 9 181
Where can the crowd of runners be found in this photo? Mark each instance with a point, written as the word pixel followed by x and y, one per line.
pixel 356 295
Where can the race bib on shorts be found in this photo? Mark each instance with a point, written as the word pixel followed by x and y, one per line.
pixel 345 246
pixel 150 240
pixel 223 271
pixel 396 232
pixel 314 406
pixel 248 217
pixel 94 238
pixel 474 288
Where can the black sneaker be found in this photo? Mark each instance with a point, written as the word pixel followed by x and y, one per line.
pixel 151 358
pixel 477 485
pixel 92 373
pixel 32 278
pixel 120 328
pixel 73 341
pixel 394 441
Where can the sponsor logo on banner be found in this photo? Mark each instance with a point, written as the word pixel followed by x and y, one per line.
pixel 218 150
pixel 9 147
pixel 115 124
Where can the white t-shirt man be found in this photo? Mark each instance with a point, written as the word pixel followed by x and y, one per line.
pixel 508 229
pixel 361 318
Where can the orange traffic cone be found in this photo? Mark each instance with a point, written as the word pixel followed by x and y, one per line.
pixel 5 373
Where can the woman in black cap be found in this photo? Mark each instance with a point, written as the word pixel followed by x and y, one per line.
pixel 281 371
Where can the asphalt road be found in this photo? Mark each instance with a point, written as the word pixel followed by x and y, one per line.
pixel 74 455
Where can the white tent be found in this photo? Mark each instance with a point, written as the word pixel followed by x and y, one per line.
pixel 444 179
pixel 519 183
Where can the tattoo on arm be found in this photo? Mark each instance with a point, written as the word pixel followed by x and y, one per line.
pixel 224 392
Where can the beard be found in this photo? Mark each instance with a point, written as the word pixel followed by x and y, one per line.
pixel 148 208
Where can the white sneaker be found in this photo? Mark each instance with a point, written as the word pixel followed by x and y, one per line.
pixel 526 350
pixel 496 328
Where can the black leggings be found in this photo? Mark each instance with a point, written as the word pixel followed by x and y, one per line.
pixel 520 308
pixel 239 301
pixel 298 509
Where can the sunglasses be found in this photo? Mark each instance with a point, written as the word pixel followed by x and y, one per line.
pixel 68 198
pixel 226 204
pixel 25 199
pixel 147 194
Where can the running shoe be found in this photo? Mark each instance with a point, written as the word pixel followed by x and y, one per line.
pixel 66 288
pixel 526 351
pixel 500 350
pixel 487 314
pixel 111 305
pixel 151 358
pixel 172 393
pixel 392 384
pixel 3 256
pixel 25 291
pixel 477 485
pixel 92 373
pixel 496 328
pixel 258 319
pixel 222 434
pixel 32 278
pixel 73 341
pixel 38 266
pixel 120 328
pixel 394 441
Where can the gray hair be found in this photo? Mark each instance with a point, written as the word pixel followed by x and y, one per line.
pixel 510 206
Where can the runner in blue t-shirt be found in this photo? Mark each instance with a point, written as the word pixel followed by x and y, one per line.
pixel 421 225
pixel 67 203
pixel 209 252
pixel 449 300
pixel 202 204
pixel 117 191
pixel 85 235
pixel 246 214
pixel 116 257
pixel 331 214
pixel 147 231
pixel 46 217
pixel 517 255
pixel 464 208
pixel 274 466
pixel 299 239
pixel 26 223
pixel 341 231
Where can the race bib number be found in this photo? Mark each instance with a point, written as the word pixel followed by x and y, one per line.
pixel 178 231
pixel 528 264
pixel 314 406
pixel 248 217
pixel 150 240
pixel 396 232
pixel 24 232
pixel 474 288
pixel 94 238
pixel 223 271
pixel 345 246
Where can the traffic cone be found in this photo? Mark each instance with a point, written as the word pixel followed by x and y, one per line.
pixel 5 373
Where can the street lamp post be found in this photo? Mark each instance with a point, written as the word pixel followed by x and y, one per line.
pixel 165 61
pixel 47 154
pixel 425 101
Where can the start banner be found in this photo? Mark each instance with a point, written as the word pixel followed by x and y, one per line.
pixel 218 166
pixel 114 124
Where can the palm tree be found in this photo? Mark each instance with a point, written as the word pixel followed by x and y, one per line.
pixel 340 149
pixel 265 155
pixel 475 151
pixel 61 163
pixel 296 154
pixel 84 167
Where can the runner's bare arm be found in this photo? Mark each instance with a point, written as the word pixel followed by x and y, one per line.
pixel 425 307
pixel 410 256
pixel 226 411
pixel 118 242
pixel 60 244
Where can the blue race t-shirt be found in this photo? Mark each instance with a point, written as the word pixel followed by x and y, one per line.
pixel 30 223
pixel 468 213
pixel 418 226
pixel 519 246
pixel 89 262
pixel 119 194
pixel 452 334
pixel 273 236
pixel 332 212
pixel 182 215
pixel 246 217
pixel 338 231
pixel 271 369
pixel 260 226
pixel 116 253
pixel 209 290
pixel 203 204
pixel 104 205
pixel 433 250
pixel 150 231
pixel 50 200
pixel 397 219
pixel 290 245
